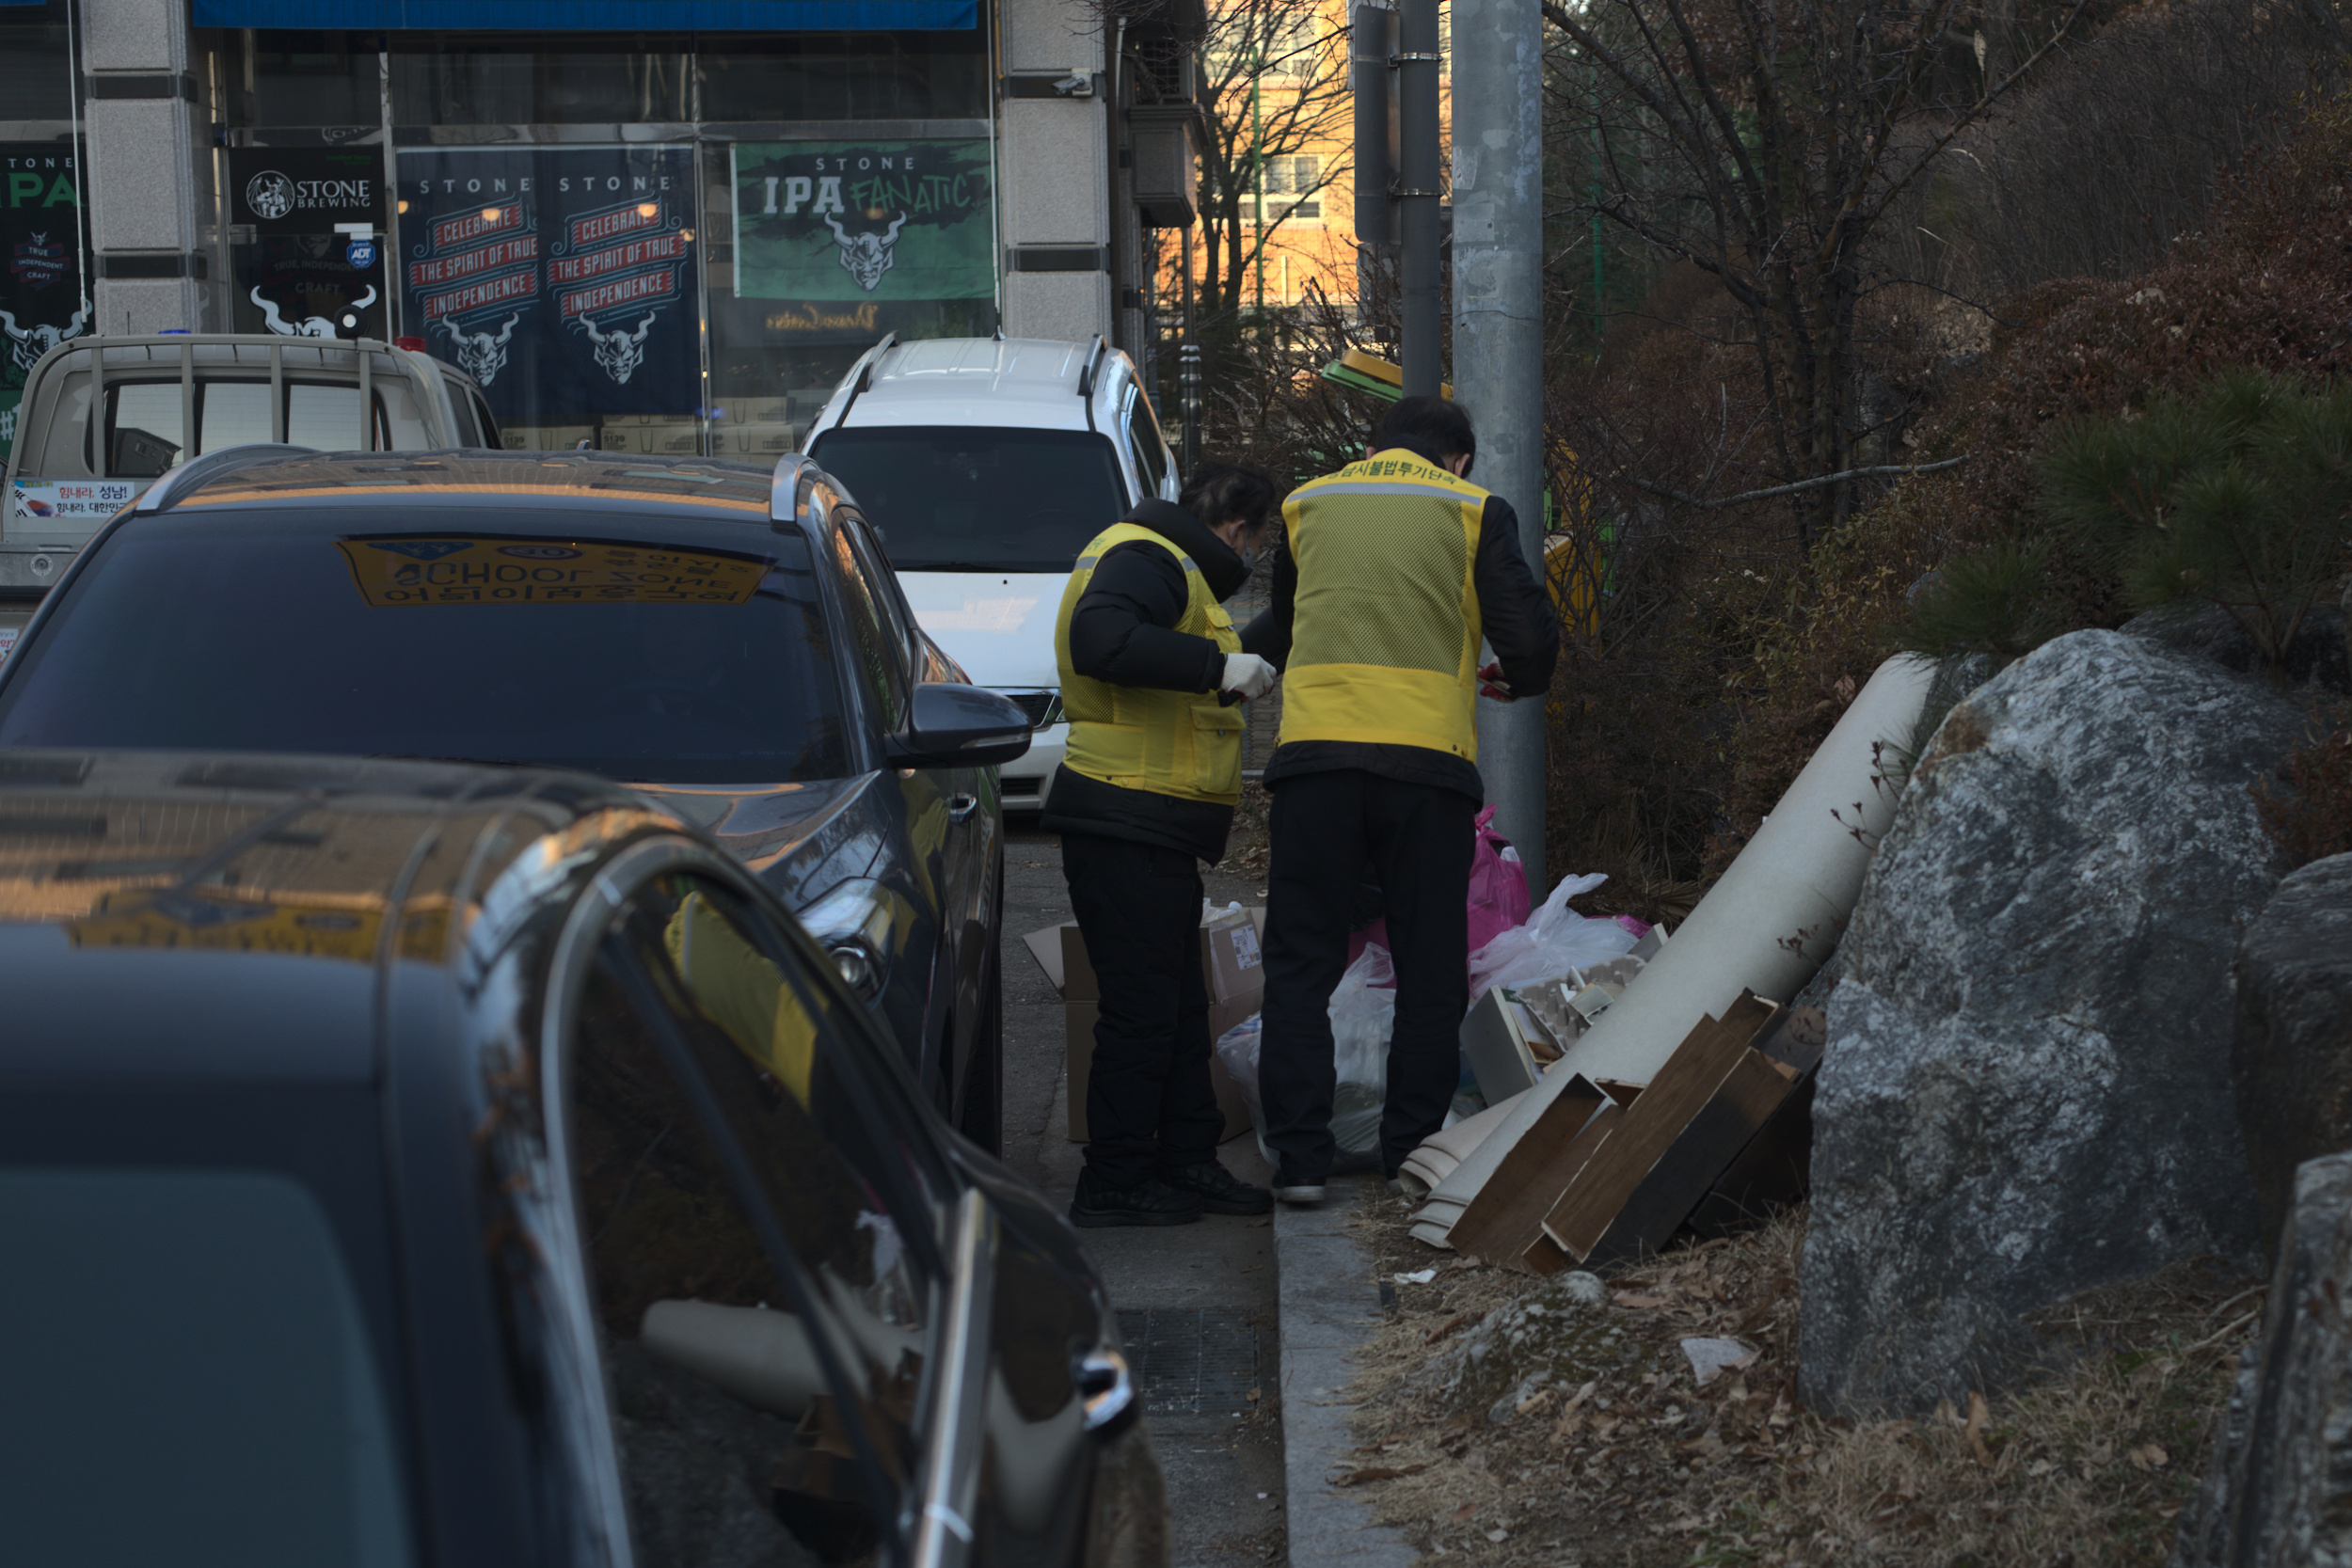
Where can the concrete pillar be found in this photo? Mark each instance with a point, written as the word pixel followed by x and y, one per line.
pixel 149 188
pixel 1055 164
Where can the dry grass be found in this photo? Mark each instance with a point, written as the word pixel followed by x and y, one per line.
pixel 1247 846
pixel 1592 1443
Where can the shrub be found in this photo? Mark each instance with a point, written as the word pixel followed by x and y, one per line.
pixel 2240 495
pixel 1996 601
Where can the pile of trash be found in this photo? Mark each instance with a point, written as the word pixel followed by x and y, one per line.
pixel 1616 1086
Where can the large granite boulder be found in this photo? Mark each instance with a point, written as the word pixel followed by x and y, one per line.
pixel 2026 1091
pixel 2290 1063
pixel 2278 1493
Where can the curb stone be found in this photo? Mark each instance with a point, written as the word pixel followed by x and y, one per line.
pixel 1328 1306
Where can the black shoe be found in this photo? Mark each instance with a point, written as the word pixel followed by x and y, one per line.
pixel 1221 1191
pixel 1145 1203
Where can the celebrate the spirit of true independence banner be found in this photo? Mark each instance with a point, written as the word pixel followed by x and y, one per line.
pixel 829 224
pixel 562 279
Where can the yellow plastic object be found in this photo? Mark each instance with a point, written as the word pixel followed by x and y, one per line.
pixel 1380 369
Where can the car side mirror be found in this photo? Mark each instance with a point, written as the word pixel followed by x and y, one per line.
pixel 950 725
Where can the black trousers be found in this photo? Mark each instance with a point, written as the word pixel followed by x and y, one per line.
pixel 1149 1102
pixel 1326 827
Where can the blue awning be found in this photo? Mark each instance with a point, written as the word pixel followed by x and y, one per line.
pixel 598 16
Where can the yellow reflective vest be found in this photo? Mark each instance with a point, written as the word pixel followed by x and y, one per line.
pixel 1179 743
pixel 1384 628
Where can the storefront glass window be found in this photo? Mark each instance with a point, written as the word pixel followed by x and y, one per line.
pixel 35 77
pixel 703 293
pixel 514 79
pixel 292 78
pixel 803 76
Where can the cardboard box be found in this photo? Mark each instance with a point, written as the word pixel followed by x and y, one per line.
pixel 1231 964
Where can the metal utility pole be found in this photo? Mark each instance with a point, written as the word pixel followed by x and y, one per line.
pixel 1257 169
pixel 1417 66
pixel 1498 343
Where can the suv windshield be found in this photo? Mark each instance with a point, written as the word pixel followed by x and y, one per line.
pixel 635 651
pixel 951 498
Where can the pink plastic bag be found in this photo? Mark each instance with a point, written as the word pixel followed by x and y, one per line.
pixel 1498 895
pixel 1498 885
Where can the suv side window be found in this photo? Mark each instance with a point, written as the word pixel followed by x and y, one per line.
pixel 765 1274
pixel 873 630
pixel 1143 430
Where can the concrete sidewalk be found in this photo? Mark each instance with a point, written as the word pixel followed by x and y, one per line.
pixel 1329 1304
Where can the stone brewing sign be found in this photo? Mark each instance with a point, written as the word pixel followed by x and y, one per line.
pixel 305 190
pixel 293 277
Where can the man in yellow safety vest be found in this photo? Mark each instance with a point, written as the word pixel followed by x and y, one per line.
pixel 1151 670
pixel 1397 568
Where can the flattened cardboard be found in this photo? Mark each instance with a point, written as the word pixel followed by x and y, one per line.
pixel 1231 967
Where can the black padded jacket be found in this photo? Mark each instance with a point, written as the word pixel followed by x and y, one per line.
pixel 1124 631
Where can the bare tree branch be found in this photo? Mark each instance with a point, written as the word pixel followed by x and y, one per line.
pixel 1880 470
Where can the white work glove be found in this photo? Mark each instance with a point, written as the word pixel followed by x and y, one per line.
pixel 1248 674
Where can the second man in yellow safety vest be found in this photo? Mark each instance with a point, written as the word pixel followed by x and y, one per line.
pixel 1151 673
pixel 1398 566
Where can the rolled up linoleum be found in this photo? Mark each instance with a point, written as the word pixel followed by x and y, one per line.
pixel 1447 1147
pixel 1765 926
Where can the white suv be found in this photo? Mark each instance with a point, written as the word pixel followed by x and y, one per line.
pixel 987 464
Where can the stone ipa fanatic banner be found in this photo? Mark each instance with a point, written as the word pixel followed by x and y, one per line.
pixel 829 224
pixel 562 279
pixel 41 303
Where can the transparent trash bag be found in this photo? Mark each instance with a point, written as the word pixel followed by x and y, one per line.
pixel 1555 941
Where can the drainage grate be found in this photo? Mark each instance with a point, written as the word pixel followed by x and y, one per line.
pixel 1188 1361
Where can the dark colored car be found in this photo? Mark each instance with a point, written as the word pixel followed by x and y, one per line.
pixel 407 1164
pixel 729 640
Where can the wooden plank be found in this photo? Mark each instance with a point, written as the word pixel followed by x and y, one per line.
pixel 1508 1212
pixel 1772 1172
pixel 1756 1086
pixel 1538 1252
pixel 1678 1094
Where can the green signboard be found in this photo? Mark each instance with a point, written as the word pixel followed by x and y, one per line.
pixel 42 263
pixel 828 224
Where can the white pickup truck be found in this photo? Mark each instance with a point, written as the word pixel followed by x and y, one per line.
pixel 103 418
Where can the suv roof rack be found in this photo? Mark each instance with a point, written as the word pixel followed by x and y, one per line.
pixel 861 376
pixel 1093 363
pixel 187 477
pixel 784 490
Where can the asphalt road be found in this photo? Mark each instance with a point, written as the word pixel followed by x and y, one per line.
pixel 1197 1301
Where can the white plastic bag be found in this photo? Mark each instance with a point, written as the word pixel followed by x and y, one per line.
pixel 1554 939
pixel 1363 1005
pixel 1237 1053
pixel 1363 1009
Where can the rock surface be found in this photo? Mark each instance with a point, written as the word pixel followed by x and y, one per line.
pixel 2320 655
pixel 2291 1061
pixel 2279 1488
pixel 2026 1090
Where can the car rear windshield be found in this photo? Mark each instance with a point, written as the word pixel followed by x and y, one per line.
pixel 951 498
pixel 200 1357
pixel 631 648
